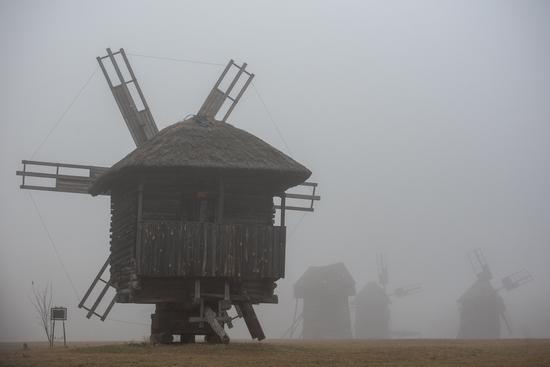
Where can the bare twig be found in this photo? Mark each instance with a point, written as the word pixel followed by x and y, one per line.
pixel 42 302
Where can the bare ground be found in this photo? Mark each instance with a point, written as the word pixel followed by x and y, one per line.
pixel 501 353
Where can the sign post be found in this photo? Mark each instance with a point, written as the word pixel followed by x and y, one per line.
pixel 58 314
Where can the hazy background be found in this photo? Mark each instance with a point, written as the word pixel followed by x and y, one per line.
pixel 426 124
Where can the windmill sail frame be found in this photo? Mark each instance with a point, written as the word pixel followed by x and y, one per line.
pixel 140 122
pixel 217 97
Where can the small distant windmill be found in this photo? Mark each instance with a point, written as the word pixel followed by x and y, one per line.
pixel 192 211
pixel 372 304
pixel 325 291
pixel 481 307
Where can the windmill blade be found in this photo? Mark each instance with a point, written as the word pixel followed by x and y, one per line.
pixel 54 177
pixel 406 290
pixel 311 197
pixel 516 280
pixel 506 320
pixel 383 276
pixel 217 97
pixel 479 265
pixel 135 111
pixel 107 285
pixel 296 319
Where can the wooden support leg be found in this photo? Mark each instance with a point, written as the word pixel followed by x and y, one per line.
pixel 215 325
pixel 64 336
pixel 53 334
pixel 251 320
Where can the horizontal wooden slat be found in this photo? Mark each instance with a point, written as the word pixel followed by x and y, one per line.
pixel 297 208
pixel 66 165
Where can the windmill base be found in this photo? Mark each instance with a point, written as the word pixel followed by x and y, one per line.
pixel 188 320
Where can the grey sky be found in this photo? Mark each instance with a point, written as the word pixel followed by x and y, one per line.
pixel 426 124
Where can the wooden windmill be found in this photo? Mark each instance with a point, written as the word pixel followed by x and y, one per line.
pixel 372 304
pixel 325 291
pixel 481 307
pixel 192 212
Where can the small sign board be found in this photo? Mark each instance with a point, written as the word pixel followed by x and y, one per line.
pixel 58 313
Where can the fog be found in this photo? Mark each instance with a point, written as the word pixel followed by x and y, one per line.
pixel 426 125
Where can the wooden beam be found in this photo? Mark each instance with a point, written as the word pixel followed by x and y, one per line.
pixel 221 198
pixel 303 196
pixel 137 248
pixel 297 208
pixel 283 208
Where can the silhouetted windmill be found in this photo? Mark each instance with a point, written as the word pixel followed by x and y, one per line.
pixel 192 211
pixel 481 307
pixel 372 304
pixel 325 291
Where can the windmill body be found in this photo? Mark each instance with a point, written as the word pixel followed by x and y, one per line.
pixel 372 313
pixel 372 305
pixel 481 308
pixel 325 291
pixel 192 215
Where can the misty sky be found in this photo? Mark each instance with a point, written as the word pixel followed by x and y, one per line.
pixel 426 124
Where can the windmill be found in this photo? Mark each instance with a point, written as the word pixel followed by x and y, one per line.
pixel 192 211
pixel 481 307
pixel 325 291
pixel 372 304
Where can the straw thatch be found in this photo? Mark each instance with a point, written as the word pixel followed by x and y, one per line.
pixel 194 144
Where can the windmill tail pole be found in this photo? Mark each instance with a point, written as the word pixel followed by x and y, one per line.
pixel 292 328
pixel 506 322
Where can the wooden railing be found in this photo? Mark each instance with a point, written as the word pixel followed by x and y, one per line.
pixel 193 249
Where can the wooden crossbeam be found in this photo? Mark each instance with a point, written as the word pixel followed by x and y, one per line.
pixel 309 197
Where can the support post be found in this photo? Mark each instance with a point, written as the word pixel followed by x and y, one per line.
pixel 221 197
pixel 53 334
pixel 210 317
pixel 138 226
pixel 64 336
pixel 283 205
pixel 197 297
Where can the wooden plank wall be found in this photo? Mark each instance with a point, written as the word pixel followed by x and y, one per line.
pixel 195 249
pixel 124 210
pixel 162 203
pixel 240 208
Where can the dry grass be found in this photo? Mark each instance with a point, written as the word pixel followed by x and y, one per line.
pixel 501 353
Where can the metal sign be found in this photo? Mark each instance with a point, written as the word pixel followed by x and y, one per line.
pixel 58 313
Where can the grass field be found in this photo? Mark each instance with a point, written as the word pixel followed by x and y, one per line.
pixel 501 353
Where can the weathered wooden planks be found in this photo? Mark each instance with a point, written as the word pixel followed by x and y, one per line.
pixel 124 212
pixel 201 249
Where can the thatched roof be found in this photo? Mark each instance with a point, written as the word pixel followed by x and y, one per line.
pixel 206 145
pixel 334 278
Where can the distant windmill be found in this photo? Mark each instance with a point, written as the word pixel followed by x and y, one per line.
pixel 192 211
pixel 482 307
pixel 325 291
pixel 372 305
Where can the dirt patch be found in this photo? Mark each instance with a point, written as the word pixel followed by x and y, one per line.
pixel 501 353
